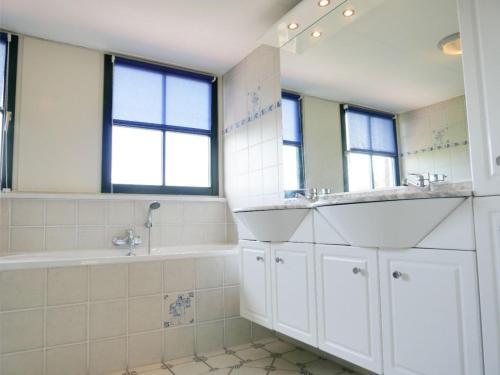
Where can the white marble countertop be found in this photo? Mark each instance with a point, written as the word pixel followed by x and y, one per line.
pixel 436 190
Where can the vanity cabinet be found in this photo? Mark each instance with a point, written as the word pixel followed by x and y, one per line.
pixel 348 304
pixel 255 284
pixel 294 292
pixel 430 312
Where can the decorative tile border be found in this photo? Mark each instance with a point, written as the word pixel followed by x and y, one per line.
pixel 435 148
pixel 251 117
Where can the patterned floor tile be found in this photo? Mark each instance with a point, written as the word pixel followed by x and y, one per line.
pixel 300 356
pixel 280 364
pixel 249 371
pixel 179 361
pixel 261 363
pixel 252 354
pixel 190 368
pixel 285 372
pixel 223 361
pixel 324 367
pixel 279 347
pixel 239 348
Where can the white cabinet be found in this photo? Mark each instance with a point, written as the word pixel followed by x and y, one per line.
pixel 294 293
pixel 348 304
pixel 487 223
pixel 479 30
pixel 430 312
pixel 255 288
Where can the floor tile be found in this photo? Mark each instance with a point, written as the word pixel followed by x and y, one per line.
pixel 279 347
pixel 252 354
pixel 281 364
pixel 223 361
pixel 248 371
pixel 190 368
pixel 324 367
pixel 238 348
pixel 266 340
pixel 179 361
pixel 300 356
pixel 261 363
pixel 162 371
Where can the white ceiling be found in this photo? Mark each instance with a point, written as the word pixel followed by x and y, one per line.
pixel 207 35
pixel 385 57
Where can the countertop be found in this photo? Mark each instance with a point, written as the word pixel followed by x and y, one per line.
pixel 436 190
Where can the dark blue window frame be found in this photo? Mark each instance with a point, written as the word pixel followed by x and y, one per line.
pixel 108 122
pixel 9 106
pixel 343 113
pixel 298 144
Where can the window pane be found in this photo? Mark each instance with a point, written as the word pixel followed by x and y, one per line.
pixel 137 156
pixel 291 120
pixel 358 130
pixel 291 165
pixel 3 56
pixel 383 137
pixel 187 159
pixel 359 172
pixel 137 94
pixel 188 103
pixel 384 173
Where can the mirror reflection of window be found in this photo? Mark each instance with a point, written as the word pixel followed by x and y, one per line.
pixel 292 142
pixel 370 149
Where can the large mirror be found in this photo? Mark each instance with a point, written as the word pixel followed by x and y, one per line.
pixel 373 92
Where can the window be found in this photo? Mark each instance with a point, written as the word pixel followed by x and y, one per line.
pixel 160 132
pixel 8 67
pixel 370 149
pixel 292 143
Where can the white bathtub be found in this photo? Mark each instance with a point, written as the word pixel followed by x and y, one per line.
pixel 106 256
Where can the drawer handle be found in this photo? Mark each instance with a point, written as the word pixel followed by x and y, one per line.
pixel 397 274
pixel 279 260
pixel 357 270
pixel 260 259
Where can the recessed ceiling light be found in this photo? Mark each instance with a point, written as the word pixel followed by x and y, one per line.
pixel 323 3
pixel 316 34
pixel 451 45
pixel 293 26
pixel 348 12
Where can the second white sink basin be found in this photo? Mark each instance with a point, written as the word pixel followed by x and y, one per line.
pixel 273 225
pixel 389 224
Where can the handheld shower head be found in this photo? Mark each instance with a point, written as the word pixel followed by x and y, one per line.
pixel 153 206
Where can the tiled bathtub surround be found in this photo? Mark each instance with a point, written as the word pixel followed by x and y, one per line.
pixel 106 318
pixel 33 225
pixel 434 139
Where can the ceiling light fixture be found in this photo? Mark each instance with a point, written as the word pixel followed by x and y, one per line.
pixel 323 3
pixel 316 34
pixel 451 45
pixel 293 26
pixel 348 12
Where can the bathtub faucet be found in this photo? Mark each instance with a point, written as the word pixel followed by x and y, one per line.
pixel 130 239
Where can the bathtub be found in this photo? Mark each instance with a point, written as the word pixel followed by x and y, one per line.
pixel 66 258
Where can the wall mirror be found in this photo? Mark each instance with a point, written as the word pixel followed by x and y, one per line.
pixel 372 92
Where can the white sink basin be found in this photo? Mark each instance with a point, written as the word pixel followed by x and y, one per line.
pixel 273 225
pixel 389 224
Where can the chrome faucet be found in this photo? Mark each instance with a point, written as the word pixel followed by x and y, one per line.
pixel 420 180
pixel 130 239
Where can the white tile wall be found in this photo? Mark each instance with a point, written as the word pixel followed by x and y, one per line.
pixel 436 126
pixel 100 319
pixel 44 224
pixel 252 152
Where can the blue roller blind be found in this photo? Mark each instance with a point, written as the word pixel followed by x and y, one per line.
pixel 291 119
pixel 148 94
pixel 370 132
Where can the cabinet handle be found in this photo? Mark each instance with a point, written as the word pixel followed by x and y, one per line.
pixel 397 274
pixel 260 259
pixel 279 260
pixel 356 270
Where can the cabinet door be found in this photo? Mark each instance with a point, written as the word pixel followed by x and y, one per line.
pixel 294 295
pixel 487 224
pixel 479 30
pixel 255 288
pixel 348 304
pixel 430 312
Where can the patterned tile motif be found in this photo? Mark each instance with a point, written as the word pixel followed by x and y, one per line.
pixel 179 309
pixel 265 357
